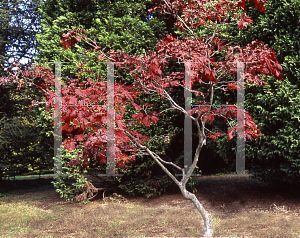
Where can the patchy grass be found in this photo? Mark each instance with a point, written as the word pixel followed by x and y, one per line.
pixel 240 208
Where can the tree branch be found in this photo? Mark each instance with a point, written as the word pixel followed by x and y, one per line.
pixel 154 156
pixel 182 21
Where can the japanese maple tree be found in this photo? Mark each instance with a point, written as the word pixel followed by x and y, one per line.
pixel 211 63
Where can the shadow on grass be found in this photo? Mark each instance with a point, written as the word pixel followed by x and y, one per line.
pixel 8 187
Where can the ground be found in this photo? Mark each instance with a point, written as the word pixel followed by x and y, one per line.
pixel 239 206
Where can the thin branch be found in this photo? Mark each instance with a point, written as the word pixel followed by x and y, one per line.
pixel 209 40
pixel 170 163
pixel 201 135
pixel 182 21
pixel 226 82
pixel 228 120
pixel 210 131
pixel 173 103
pixel 158 136
pixel 97 47
pixel 155 157
pixel 167 110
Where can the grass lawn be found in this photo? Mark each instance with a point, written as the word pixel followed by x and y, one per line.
pixel 239 206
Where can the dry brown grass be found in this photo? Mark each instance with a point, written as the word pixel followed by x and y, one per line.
pixel 239 207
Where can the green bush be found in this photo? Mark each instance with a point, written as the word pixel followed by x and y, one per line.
pixel 72 181
pixel 274 156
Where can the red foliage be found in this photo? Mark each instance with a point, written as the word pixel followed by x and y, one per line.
pixel 71 38
pixel 259 4
pixel 197 13
pixel 215 136
pixel 244 21
pixel 77 119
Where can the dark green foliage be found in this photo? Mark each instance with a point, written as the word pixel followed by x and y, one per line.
pixel 218 156
pixel 24 135
pixel 24 144
pixel 274 157
pixel 144 176
pixel 116 25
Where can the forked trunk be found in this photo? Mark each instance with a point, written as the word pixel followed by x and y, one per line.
pixel 208 229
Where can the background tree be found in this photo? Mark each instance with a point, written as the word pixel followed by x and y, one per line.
pixel 19 23
pixel 275 161
pixel 23 143
pixel 274 157
pixel 277 28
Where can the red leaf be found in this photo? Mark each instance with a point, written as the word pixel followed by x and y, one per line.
pixel 259 4
pixel 154 69
pixel 244 21
pixel 146 121
pixel 232 86
pixel 80 137
pixel 215 136
pixel 231 133
pixel 210 118
pixel 154 8
pixel 78 38
pixel 67 128
pixel 70 144
pixel 154 118
pixel 199 110
pixel 197 93
pixel 103 119
pixel 79 92
pixel 168 39
pixel 72 100
pixel 208 75
pixel 174 83
pixel 122 110
pixel 137 107
pixel 242 5
pixel 65 44
pixel 120 124
pixel 101 57
pixel 137 116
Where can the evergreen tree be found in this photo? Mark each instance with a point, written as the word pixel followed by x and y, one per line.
pixel 23 144
pixel 273 158
pixel 19 22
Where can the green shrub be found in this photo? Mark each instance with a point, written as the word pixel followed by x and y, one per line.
pixel 72 181
pixel 274 157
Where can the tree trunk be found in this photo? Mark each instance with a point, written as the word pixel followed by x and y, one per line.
pixel 208 229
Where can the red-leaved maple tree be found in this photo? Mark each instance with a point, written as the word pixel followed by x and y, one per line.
pixel 88 124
